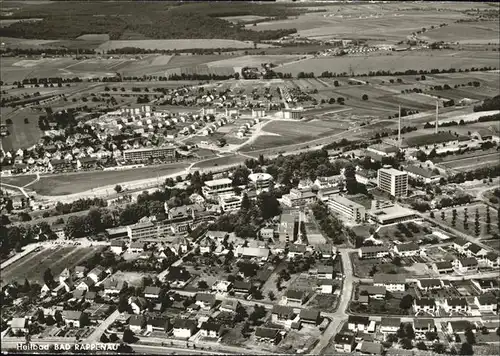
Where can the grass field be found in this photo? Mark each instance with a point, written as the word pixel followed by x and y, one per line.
pixel 56 258
pixel 393 61
pixel 80 182
pixel 471 218
pixel 19 181
pixel 21 134
pixel 465 33
pixel 470 163
pixel 292 132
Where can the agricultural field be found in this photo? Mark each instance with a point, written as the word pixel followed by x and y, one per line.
pixel 393 61
pixel 21 134
pixel 243 18
pixel 79 182
pixel 179 44
pixel 471 219
pixel 485 32
pixel 466 164
pixel 57 258
pixel 253 61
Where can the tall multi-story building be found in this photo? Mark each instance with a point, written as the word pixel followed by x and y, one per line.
pixel 261 181
pixel 392 181
pixel 143 154
pixel 351 210
pixel 213 189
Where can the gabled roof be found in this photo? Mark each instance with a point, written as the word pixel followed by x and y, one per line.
pixel 295 294
pixel 211 326
pixel 372 348
pixel 267 333
pixel 460 325
pixel 456 302
pixel 430 282
pixel 71 314
pixel 158 321
pixel 309 314
pixel 137 320
pixel 19 323
pixel 357 319
pixel 444 265
pixel 425 302
pixel 242 285
pixel 185 324
pixel 283 311
pixel 344 339
pixel 152 290
pixel 386 278
pixel 372 290
pixel 411 246
pixel 205 297
pixel 367 249
pixel 474 248
pixel 487 299
pixel 423 323
pixel 468 262
pixel 394 322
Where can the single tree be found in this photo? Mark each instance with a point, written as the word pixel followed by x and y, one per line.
pixel 118 188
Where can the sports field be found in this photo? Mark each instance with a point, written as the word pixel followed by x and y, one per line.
pixel 19 181
pixel 57 258
pixel 79 182
pixel 467 164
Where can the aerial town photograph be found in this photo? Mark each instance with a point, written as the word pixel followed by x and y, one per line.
pixel 250 178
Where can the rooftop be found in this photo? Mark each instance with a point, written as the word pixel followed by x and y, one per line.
pixel 432 138
pixel 216 182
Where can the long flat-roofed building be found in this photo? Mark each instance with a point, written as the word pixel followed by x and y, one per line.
pixel 213 189
pixel 393 181
pixel 353 211
pixel 143 154
pixel 142 230
pixel 392 214
pixel 230 203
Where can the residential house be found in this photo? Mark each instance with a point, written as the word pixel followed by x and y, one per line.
pixel 391 282
pixel 459 326
pixel 460 245
pixel 455 305
pixel 19 325
pixel 370 252
pixel 85 284
pixel 426 305
pixel 390 325
pixel 229 306
pixel 373 292
pixel 294 297
pixel 296 250
pixel 206 301
pixel 326 251
pixel 152 292
pixel 184 328
pixel 73 318
pixel 486 284
pixel 261 254
pixel 117 247
pixel 242 287
pixel 80 271
pixel 344 342
pixel 310 316
pixel 178 276
pixel 429 284
pixel 113 287
pixel 96 274
pixel 358 323
pixel 467 264
pixel 222 287
pixel 325 286
pixel 158 323
pixel 487 303
pixel 423 325
pixel 407 249
pixel 137 304
pixel 136 323
pixel 323 271
pixel 474 250
pixel 492 260
pixel 67 273
pixel 283 315
pixel 78 294
pixel 268 335
pixel 443 267
pixel 211 329
pixel 371 348
pixel 136 247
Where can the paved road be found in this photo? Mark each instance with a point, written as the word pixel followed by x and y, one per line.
pixel 96 334
pixel 340 315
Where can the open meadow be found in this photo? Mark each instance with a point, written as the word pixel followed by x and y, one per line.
pixel 179 44
pixel 57 258
pixel 79 182
pixel 393 61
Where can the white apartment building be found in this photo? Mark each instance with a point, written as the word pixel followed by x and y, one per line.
pixel 261 181
pixel 143 154
pixel 142 230
pixel 213 189
pixel 351 210
pixel 392 181
pixel 230 203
